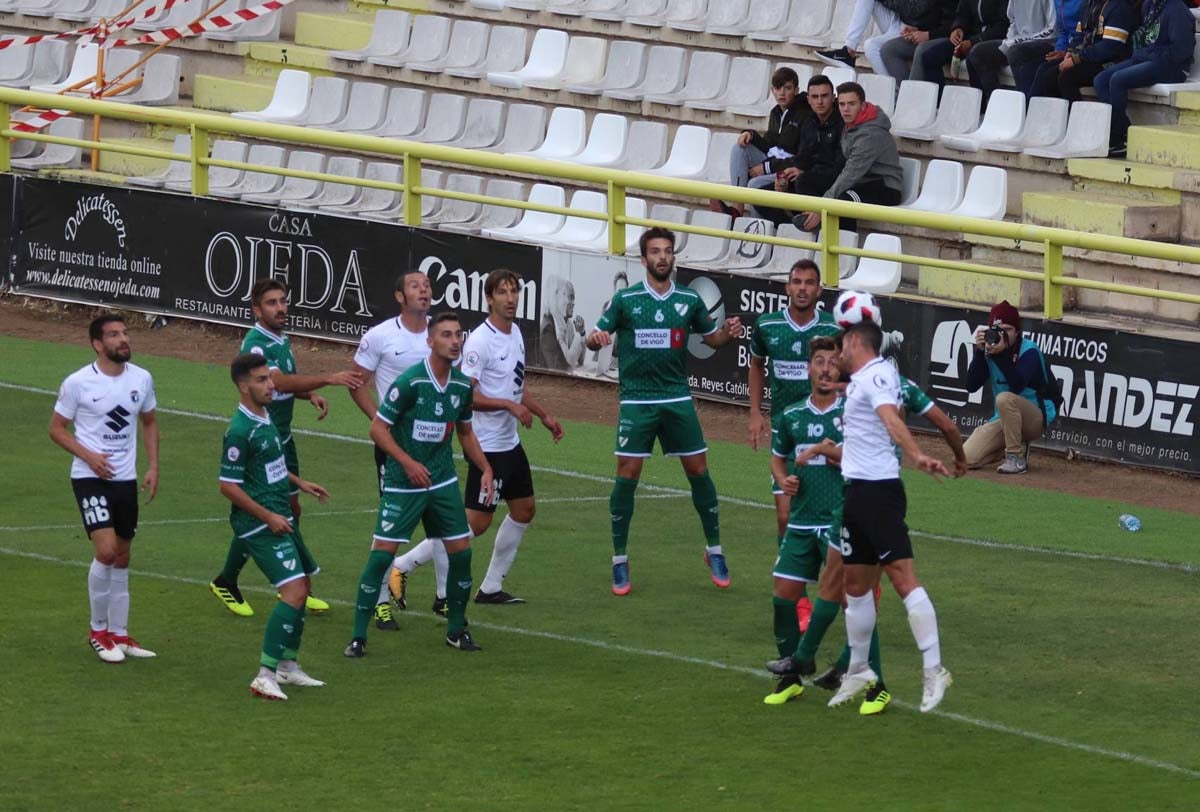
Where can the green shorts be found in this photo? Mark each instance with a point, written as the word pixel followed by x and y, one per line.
pixel 802 554
pixel 440 510
pixel 281 558
pixel 293 461
pixel 674 424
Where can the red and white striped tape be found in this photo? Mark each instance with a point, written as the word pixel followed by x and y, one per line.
pixel 217 22
pixel 89 33
pixel 41 121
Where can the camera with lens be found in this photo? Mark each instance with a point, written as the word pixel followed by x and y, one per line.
pixel 993 336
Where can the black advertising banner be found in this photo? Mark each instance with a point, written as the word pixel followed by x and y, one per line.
pixel 7 216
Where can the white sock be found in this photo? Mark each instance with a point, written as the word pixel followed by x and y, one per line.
pixel 620 559
pixel 421 554
pixel 923 622
pixel 508 539
pixel 441 567
pixel 118 602
pixel 860 622
pixel 714 550
pixel 99 583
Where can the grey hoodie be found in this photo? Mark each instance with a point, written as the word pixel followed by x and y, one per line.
pixel 870 153
pixel 1031 19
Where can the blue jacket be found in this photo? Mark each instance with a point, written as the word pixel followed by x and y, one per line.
pixel 1104 32
pixel 1026 376
pixel 1067 13
pixel 1176 39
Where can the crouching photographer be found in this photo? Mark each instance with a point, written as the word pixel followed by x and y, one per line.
pixel 1027 395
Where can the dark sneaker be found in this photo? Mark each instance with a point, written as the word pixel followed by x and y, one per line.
pixel 357 648
pixel 620 582
pixel 439 607
pixel 462 641
pixel 496 597
pixel 1118 151
pixel 792 666
pixel 837 57
pixel 384 619
pixel 831 680
pixel 719 569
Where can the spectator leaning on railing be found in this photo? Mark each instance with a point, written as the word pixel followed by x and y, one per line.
pixel 1101 38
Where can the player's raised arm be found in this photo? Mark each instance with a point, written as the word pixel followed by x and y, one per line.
pixel 942 422
pixel 302 385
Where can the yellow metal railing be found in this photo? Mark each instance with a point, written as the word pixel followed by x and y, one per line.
pixel 618 185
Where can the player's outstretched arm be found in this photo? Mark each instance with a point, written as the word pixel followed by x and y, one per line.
pixel 758 423
pixel 942 422
pixel 548 420
pixel 474 452
pixel 901 436
pixel 276 523
pixel 298 384
pixel 60 433
pixel 381 435
pixel 150 443
pixel 732 328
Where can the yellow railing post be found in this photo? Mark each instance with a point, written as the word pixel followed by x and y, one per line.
pixel 616 228
pixel 1052 292
pixel 412 179
pixel 5 144
pixel 199 156
pixel 829 239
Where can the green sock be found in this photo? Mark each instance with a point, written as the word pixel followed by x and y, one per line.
pixel 787 633
pixel 872 656
pixel 704 498
pixel 823 614
pixel 458 589
pixel 235 559
pixel 620 505
pixel 368 590
pixel 295 631
pixel 275 640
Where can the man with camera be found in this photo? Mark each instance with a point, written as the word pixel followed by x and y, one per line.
pixel 1025 392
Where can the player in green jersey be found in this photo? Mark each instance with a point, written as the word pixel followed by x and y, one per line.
pixel 420 484
pixel 255 479
pixel 652 321
pixel 268 340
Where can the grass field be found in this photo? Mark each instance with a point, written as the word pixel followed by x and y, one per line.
pixel 1072 643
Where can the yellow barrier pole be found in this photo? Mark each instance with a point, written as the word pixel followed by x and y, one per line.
pixel 412 179
pixel 616 227
pixel 1052 292
pixel 5 143
pixel 199 156
pixel 829 241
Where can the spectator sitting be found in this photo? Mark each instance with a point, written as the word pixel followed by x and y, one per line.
pixel 871 171
pixel 975 21
pixel 1101 39
pixel 1024 404
pixel 1162 52
pixel 903 57
pixel 887 22
pixel 756 157
pixel 1031 31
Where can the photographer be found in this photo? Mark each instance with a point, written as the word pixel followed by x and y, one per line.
pixel 1024 401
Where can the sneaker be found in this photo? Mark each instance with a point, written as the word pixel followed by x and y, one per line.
pixel 621 584
pixel 267 688
pixel 1118 151
pixel 384 619
pixel 853 684
pixel 398 587
pixel 792 666
pixel 935 688
pixel 107 650
pixel 496 597
pixel 1013 464
pixel 720 570
pixel 290 673
pixel 462 641
pixel 803 613
pixel 357 648
pixel 231 596
pixel 831 680
pixel 315 605
pixel 837 57
pixel 439 607
pixel 875 701
pixel 130 647
pixel 787 688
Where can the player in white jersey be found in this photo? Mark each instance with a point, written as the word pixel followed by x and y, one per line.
pixel 494 359
pixel 386 350
pixel 873 530
pixel 106 400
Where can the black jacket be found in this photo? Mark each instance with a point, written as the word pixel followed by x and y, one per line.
pixel 783 132
pixel 820 153
pixel 982 20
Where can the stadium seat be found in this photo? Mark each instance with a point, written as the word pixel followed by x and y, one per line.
pixel 663 75
pixel 57 9
pixel 689 153
pixel 744 255
pixel 624 9
pixel 912 180
pixel 634 207
pixel 16 65
pixel 957 113
pixel 294 189
pixel 646 147
pixel 1191 83
pixel 846 262
pixel 389 36
pixel 880 90
pixel 578 230
pixel 672 214
pixel 288 102
pixel 586 8
pixel 483 126
pixel 83 69
pixel 446 119
pixel 428 41
pixel 458 211
pixel 766 102
pixel 986 196
pixel 784 257
pixel 51 62
pixel 333 193
pixel 1086 135
pixel 56 155
pixel 606 141
pixel 722 14
pixel 584 63
pixel 505 52
pixel 535 223
pixel 524 129
pixel 219 177
pixel 839 75
pixel 430 205
pixel 566 135
pixel 491 215
pixel 405 114
pixel 716 165
pixel 707 74
pixel 876 275
pixel 365 108
pixel 547 56
pixel 817 20
pixel 916 106
pixel 326 104
pixel 749 78
pixel 626 67
pixel 1003 121
pixel 702 248
pixel 1045 125
pixel 175 171
pixel 264 29
pixel 676 11
pixel 762 15
pixel 370 200
pixel 467 48
pixel 942 190
pixel 801 16
pixel 525 5
pixel 177 16
pixel 254 182
pixel 92 11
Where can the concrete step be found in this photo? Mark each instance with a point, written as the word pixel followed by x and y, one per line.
pixel 1176 145
pixel 230 94
pixel 1103 214
pixel 1121 172
pixel 336 32
pixel 124 165
pixel 268 58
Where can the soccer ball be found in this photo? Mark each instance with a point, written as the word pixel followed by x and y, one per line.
pixel 852 307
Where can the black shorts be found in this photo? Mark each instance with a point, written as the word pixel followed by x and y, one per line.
pixel 380 465
pixel 104 503
pixel 511 474
pixel 873 528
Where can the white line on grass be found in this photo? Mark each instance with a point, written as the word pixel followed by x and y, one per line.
pixel 732 500
pixel 997 727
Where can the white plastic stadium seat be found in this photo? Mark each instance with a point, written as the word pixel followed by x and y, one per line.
pixel 294 188
pixel 1045 125
pixel 535 223
pixel 492 215
pixel 405 114
pixel 56 155
pixel 645 148
pixel 942 190
pixel 986 196
pixel 467 47
pixel 264 29
pixel 371 200
pixel 689 153
pixel 722 14
pixel 1086 135
pixel 626 67
pixel 634 207
pixel 876 275
pixel 912 180
pixel 702 248
pixel 584 62
pixel 606 140
pixel 289 100
pixel 815 25
pixel 663 75
pixel 748 78
pixel 675 11
pixel 745 255
pixel 761 108
pixel 672 214
pixel 784 257
pixel 632 9
pixel 1003 121
pixel 547 57
pixel 332 193
pixel 762 15
pixel 446 120
pixel 524 129
pixel 427 42
pixel 578 229
pixel 483 126
pixel 505 53
pixel 365 108
pixel 389 36
pixel 916 106
pixel 801 15
pixel 326 103
pixel 16 65
pixel 880 90
pixel 957 113
pixel 219 177
pixel 839 75
pixel 707 74
pixel 566 136
pixel 430 205
pixel 256 182
pixel 716 166
pixel 83 69
pixel 176 170
pixel 458 211
pixel 587 8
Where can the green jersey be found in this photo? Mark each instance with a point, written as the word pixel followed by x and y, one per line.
pixel 422 414
pixel 277 349
pixel 913 401
pixel 652 336
pixel 819 502
pixel 252 457
pixel 777 337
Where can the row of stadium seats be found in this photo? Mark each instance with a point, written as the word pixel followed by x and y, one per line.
pixel 265 28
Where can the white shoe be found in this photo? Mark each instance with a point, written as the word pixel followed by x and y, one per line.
pixel 267 688
pixel 131 647
pixel 935 688
pixel 853 684
pixel 296 676
pixel 104 646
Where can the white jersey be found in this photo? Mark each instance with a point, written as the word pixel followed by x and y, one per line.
pixel 389 348
pixel 105 412
pixel 497 360
pixel 868 452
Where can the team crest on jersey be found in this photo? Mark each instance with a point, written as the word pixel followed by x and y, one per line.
pixel 387 526
pixel 437 409
pixel 233 454
pixel 454 401
pixel 256 350
pixel 472 360
pixel 290 564
pixel 659 317
pixel 134 395
pixel 681 308
pixel 837 423
pixel 622 441
pixel 394 395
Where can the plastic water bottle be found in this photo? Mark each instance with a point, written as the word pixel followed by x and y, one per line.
pixel 1129 522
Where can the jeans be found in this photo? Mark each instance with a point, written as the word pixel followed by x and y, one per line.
pixel 1113 86
pixel 930 61
pixel 740 160
pixel 1026 59
pixel 984 63
pixel 1050 81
